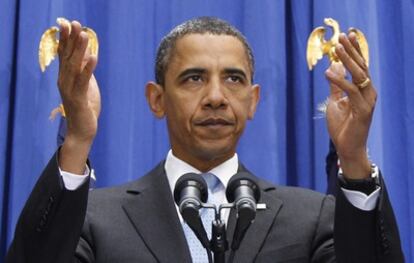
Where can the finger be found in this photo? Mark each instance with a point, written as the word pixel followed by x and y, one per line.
pixel 86 56
pixel 352 51
pixel 82 83
pixel 94 95
pixel 79 52
pixel 358 74
pixel 351 90
pixel 358 77
pixel 371 96
pixel 336 93
pixel 74 33
pixel 63 38
pixel 354 41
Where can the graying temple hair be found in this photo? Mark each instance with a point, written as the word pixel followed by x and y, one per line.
pixel 200 25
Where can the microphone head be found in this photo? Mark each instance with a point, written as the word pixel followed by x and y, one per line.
pixel 191 180
pixel 242 179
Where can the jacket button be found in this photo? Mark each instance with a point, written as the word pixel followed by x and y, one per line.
pixel 386 250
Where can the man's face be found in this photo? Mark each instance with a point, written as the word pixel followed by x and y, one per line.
pixel 207 98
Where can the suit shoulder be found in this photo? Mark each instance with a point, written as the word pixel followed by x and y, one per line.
pixel 111 191
pixel 116 193
pixel 297 196
pixel 299 191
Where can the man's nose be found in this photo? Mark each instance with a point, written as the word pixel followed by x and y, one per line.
pixel 215 97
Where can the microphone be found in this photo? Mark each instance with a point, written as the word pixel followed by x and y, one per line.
pixel 189 193
pixel 244 192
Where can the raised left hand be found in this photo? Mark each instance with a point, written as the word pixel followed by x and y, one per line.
pixel 350 108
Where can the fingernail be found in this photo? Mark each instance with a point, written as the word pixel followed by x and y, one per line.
pixel 60 20
pixel 330 74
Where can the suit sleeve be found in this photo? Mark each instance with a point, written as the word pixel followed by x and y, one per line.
pixel 51 221
pixel 323 242
pixel 366 236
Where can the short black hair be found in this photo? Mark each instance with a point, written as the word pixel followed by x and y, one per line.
pixel 199 25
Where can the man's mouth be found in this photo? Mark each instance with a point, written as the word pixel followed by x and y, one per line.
pixel 214 122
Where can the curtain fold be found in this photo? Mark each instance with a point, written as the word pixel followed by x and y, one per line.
pixel 286 143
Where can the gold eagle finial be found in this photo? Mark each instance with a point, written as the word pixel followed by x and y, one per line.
pixel 48 49
pixel 49 43
pixel 318 47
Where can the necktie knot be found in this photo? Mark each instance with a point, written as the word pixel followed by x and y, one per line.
pixel 212 181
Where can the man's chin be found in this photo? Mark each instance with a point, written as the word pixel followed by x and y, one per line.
pixel 214 150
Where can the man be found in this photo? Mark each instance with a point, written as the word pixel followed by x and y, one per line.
pixel 204 72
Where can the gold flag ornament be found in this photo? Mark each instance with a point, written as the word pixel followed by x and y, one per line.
pixel 318 46
pixel 48 48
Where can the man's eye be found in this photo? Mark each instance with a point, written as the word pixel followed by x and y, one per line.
pixel 234 79
pixel 194 78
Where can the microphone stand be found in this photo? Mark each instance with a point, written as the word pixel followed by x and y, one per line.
pixel 219 243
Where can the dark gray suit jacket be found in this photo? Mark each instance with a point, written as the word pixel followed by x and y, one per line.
pixel 138 222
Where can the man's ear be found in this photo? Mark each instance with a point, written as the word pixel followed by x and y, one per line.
pixel 255 97
pixel 155 98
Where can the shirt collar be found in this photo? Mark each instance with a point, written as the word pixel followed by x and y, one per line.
pixel 175 168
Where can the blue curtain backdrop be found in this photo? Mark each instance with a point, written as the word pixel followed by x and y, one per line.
pixel 285 143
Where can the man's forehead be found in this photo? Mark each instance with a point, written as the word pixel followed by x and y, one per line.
pixel 194 46
pixel 194 39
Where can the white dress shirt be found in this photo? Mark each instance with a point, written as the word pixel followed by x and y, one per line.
pixel 175 167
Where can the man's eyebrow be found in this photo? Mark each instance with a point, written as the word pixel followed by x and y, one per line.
pixel 191 71
pixel 235 71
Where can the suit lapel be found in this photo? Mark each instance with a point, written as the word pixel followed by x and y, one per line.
pixel 151 209
pixel 258 230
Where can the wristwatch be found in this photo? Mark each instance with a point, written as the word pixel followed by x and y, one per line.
pixel 366 185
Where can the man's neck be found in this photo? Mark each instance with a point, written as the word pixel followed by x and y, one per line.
pixel 203 164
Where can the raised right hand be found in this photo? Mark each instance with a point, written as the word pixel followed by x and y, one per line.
pixel 80 96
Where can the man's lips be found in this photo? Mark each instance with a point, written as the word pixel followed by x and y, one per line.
pixel 213 122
